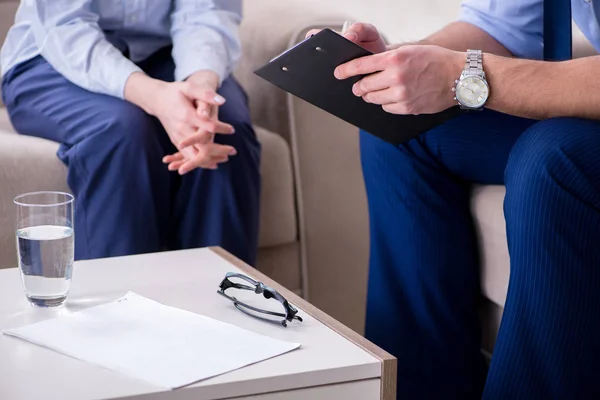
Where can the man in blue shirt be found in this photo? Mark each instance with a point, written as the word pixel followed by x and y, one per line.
pixel 154 130
pixel 539 134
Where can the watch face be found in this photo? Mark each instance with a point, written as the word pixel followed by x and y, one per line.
pixel 472 92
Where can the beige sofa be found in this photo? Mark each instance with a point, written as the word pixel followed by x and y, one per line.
pixel 29 164
pixel 314 222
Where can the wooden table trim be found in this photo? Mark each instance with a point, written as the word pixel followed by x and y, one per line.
pixel 389 363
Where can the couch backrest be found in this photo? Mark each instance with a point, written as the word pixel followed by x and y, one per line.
pixel 269 28
pixel 7 16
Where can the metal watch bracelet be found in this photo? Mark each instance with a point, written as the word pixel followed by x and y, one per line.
pixel 474 64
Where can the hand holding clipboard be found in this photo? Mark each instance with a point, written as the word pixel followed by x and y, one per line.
pixel 307 71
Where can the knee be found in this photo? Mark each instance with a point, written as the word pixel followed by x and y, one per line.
pixel 129 127
pixel 383 162
pixel 236 112
pixel 377 154
pixel 551 150
pixel 374 151
pixel 244 138
pixel 123 136
pixel 125 140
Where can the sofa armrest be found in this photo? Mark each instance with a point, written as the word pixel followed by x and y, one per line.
pixel 27 164
pixel 268 28
pixel 332 208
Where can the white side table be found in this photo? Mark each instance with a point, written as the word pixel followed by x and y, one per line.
pixel 333 362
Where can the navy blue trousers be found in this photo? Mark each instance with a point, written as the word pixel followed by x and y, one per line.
pixel 127 202
pixel 424 279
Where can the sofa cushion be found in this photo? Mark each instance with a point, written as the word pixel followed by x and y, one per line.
pixel 488 215
pixel 30 164
pixel 5 124
pixel 278 204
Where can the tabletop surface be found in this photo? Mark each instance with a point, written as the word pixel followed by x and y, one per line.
pixel 185 279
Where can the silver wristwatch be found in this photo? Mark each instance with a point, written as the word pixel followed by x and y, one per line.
pixel 472 89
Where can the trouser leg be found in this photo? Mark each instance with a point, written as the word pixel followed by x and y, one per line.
pixel 548 345
pixel 221 207
pixel 113 152
pixel 424 281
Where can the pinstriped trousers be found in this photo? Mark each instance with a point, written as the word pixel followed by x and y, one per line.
pixel 424 280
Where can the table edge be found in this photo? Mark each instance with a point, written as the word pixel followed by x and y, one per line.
pixel 389 363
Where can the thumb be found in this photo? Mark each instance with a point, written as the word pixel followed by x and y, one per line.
pixel 361 32
pixel 202 94
pixel 204 109
pixel 351 36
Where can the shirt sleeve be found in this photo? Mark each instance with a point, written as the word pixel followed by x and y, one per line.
pixel 69 38
pixel 205 35
pixel 516 24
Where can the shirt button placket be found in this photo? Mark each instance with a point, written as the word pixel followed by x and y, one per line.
pixel 136 7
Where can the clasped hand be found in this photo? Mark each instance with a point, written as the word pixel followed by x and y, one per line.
pixel 189 113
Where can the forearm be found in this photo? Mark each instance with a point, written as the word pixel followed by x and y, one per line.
pixel 523 87
pixel 70 39
pixel 206 78
pixel 100 69
pixel 461 36
pixel 541 90
pixel 528 88
pixel 145 92
pixel 205 36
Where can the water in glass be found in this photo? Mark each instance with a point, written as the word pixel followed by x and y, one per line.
pixel 46 262
pixel 45 246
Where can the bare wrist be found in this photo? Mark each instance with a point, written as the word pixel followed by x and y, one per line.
pixel 140 89
pixel 205 78
pixel 458 64
pixel 455 69
pixel 423 42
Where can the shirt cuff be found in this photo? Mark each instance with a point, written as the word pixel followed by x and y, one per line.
pixel 520 44
pixel 121 74
pixel 194 61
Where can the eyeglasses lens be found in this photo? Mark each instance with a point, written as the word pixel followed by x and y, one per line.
pixel 258 301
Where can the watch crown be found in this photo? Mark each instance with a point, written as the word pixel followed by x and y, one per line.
pixel 454 98
pixel 456 81
pixel 454 89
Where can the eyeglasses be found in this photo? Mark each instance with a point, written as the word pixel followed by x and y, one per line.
pixel 233 282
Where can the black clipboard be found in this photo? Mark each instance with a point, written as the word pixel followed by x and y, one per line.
pixel 306 71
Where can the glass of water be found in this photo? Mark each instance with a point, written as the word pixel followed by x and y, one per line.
pixel 45 246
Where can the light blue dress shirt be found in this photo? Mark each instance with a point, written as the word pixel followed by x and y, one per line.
pixel 518 24
pixel 85 40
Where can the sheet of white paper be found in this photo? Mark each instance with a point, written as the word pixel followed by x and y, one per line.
pixel 162 345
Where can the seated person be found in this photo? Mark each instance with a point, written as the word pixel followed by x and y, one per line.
pixel 539 135
pixel 154 130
